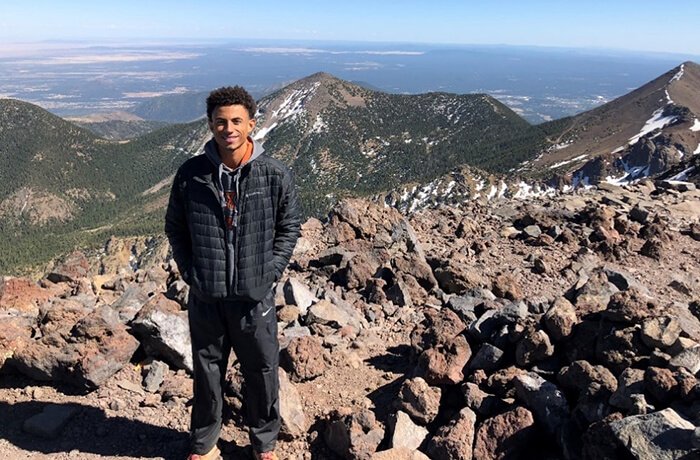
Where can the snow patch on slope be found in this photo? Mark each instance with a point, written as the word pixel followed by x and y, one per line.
pixel 657 121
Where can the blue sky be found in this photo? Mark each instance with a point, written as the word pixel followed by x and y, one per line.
pixel 618 24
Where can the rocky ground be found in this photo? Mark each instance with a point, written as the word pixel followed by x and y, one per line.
pixel 559 328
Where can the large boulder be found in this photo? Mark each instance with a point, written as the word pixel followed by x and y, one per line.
pixel 96 348
pixel 505 436
pixel 454 441
pixel 164 331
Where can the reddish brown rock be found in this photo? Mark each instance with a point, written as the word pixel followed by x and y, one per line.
pixel 353 435
pixel 98 347
pixel 506 286
pixel 560 319
pixel 631 306
pixel 60 315
pixel 304 356
pixel 505 436
pixel 454 440
pixel 69 270
pixel 533 347
pixel 22 295
pixel 661 384
pixel 419 400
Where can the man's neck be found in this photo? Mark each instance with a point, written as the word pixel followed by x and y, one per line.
pixel 233 159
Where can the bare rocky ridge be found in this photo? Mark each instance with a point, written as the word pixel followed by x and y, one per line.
pixel 559 328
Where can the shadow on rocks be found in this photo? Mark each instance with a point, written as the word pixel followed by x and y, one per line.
pixel 87 429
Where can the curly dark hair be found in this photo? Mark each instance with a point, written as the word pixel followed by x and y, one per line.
pixel 230 95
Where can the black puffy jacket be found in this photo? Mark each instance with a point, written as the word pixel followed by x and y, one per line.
pixel 266 233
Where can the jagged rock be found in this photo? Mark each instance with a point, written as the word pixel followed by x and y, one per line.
pixel 594 386
pixel 457 277
pixel 441 348
pixel 331 314
pixel 661 384
pixel 584 377
pixel 688 359
pixel 294 422
pixel 399 294
pixel 454 440
pixel 98 346
pixel 630 306
pixel 487 358
pixel 157 371
pixel 618 348
pixel 532 231
pixel 50 421
pixel 624 280
pixel 290 333
pixel 69 270
pixel 533 347
pixel 297 293
pixel 690 323
pixel 179 291
pixel 594 295
pixel 493 321
pixel 506 286
pixel 60 315
pixel 629 383
pixel 164 331
pixel 405 433
pixel 131 302
pixel 419 400
pixel 15 334
pixel 662 435
pixel 653 248
pixel 465 307
pixel 482 403
pixel 660 332
pixel 560 319
pixel 304 356
pixel 639 214
pixel 288 314
pixel 544 399
pixel 23 295
pixel 353 435
pixel 399 453
pixel 502 382
pixel 505 436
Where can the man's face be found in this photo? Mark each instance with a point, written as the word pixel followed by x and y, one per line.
pixel 231 126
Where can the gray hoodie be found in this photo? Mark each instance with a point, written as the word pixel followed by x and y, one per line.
pixel 229 179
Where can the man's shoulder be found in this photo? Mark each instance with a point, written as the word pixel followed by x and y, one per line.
pixel 272 165
pixel 194 166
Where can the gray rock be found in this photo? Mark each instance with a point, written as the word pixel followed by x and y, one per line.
pixel 164 332
pixel 296 293
pixel 532 231
pixel 688 359
pixel 624 280
pixel 405 433
pixel 660 332
pixel 487 358
pixel 544 400
pixel 50 422
pixel 130 302
pixel 179 291
pixel 662 435
pixel 399 294
pixel 155 376
pixel 464 307
pixel 560 319
pixel 330 314
pixel 290 333
pixel 294 422
pixel 353 435
pixel 690 324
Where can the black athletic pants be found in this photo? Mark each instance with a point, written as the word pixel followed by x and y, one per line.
pixel 251 330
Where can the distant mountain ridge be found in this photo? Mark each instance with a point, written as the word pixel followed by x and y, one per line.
pixel 640 134
pixel 340 139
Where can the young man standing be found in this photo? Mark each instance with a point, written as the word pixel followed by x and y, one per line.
pixel 233 219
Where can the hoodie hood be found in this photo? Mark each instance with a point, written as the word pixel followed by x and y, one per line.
pixel 212 153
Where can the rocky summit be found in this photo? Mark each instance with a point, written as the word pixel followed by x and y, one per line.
pixel 559 327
